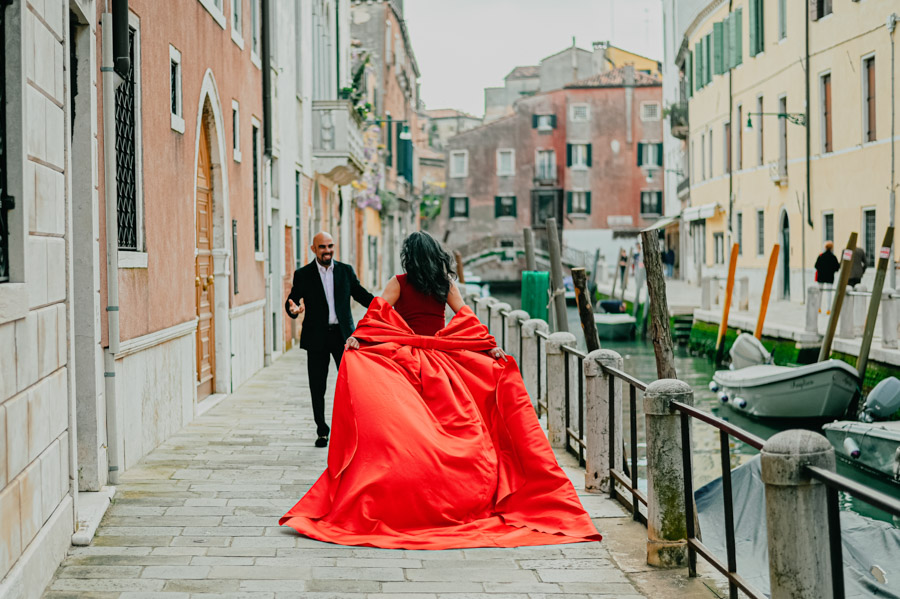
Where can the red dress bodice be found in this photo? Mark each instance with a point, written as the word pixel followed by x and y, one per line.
pixel 423 313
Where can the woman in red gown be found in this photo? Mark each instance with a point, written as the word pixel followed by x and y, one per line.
pixel 435 444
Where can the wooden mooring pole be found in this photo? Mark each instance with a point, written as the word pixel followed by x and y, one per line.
pixel 839 291
pixel 529 249
pixel 585 313
pixel 767 291
pixel 659 307
pixel 729 291
pixel 884 256
pixel 459 268
pixel 557 291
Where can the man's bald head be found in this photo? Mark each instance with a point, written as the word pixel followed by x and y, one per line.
pixel 323 247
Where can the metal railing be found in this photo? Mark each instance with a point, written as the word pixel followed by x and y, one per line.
pixel 835 484
pixel 624 477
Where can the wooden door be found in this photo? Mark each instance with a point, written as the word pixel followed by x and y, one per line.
pixel 204 282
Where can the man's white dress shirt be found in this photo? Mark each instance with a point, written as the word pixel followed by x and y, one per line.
pixel 327 275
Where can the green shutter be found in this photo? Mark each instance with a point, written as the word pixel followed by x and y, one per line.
pixel 709 57
pixel 659 154
pixel 587 202
pixel 718 48
pixel 738 36
pixel 697 60
pixel 515 209
pixel 496 206
pixel 589 154
pixel 726 43
pixel 754 15
pixel 568 202
pixel 467 208
pixel 640 154
pixel 534 121
pixel 390 143
pixel 568 154
pixel 760 26
pixel 689 74
pixel 553 121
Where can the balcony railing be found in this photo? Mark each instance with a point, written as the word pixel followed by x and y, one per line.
pixel 337 140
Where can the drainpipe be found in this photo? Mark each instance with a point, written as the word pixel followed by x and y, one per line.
pixel 112 248
pixel 266 78
pixel 892 25
pixel 266 43
pixel 730 148
pixel 809 219
pixel 337 47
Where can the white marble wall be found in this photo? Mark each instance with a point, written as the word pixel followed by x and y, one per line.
pixel 36 510
pixel 246 343
pixel 155 391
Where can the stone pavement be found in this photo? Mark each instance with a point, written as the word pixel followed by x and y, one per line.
pixel 198 518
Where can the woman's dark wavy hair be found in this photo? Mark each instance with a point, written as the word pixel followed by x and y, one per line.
pixel 429 268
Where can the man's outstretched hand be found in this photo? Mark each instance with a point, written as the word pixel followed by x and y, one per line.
pixel 294 308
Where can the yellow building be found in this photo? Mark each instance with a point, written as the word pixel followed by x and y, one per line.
pixel 614 58
pixel 765 165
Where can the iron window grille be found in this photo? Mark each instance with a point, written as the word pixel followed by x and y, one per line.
pixel 6 201
pixel 126 156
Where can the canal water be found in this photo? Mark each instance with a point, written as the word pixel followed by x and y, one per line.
pixel 640 362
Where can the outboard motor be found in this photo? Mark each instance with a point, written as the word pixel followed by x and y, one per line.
pixel 612 306
pixel 747 350
pixel 883 401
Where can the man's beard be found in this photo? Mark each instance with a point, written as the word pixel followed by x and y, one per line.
pixel 326 261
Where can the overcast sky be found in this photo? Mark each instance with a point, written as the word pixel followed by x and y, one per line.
pixel 463 46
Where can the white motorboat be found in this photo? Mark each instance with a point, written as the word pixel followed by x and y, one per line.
pixel 614 326
pixel 873 443
pixel 820 390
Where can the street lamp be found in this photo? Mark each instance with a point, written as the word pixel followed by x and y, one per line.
pixel 798 118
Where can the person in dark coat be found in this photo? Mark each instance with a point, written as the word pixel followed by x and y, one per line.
pixel 857 266
pixel 826 265
pixel 325 287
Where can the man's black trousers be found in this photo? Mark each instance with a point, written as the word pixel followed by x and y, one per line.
pixel 317 367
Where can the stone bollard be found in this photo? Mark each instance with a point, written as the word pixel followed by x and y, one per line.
pixel 602 454
pixel 706 285
pixel 890 314
pixel 743 294
pixel 845 324
pixel 860 311
pixel 513 332
pixel 666 523
pixel 796 509
pixel 496 326
pixel 813 302
pixel 556 387
pixel 469 299
pixel 531 362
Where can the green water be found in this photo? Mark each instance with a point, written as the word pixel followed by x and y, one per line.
pixel 640 362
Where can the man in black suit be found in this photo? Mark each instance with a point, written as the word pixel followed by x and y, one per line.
pixel 325 286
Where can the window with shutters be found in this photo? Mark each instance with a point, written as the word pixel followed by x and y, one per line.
pixel 579 155
pixel 236 130
pixel 257 236
pixel 651 203
pixel 782 19
pixel 650 111
pixel 736 39
pixel 782 137
pixel 710 154
pixel 726 148
pixel 825 87
pixel 505 207
pixel 580 113
pixel 650 154
pixel 827 226
pixel 256 32
pixel 820 9
pixel 868 75
pixel 757 27
pixel 546 165
pixel 739 232
pixel 459 207
pixel 718 48
pixel 579 202
pixel 719 247
pixel 237 22
pixel 760 233
pixel 708 50
pixel 459 164
pixel 506 162
pixel 545 122
pixel 128 184
pixel 869 239
pixel 703 156
pixel 759 131
pixel 175 94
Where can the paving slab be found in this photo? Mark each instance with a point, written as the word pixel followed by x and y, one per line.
pixel 197 518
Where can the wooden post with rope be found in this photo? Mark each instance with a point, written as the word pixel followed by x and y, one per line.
pixel 585 313
pixel 660 333
pixel 459 267
pixel 530 263
pixel 557 292
pixel 729 291
pixel 840 290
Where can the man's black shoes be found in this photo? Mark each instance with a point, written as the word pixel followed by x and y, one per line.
pixel 322 441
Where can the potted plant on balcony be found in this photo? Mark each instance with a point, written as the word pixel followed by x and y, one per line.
pixel 677 113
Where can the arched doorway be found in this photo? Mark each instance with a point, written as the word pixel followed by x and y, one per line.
pixel 204 280
pixel 786 256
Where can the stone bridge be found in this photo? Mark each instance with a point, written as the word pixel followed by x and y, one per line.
pixel 501 258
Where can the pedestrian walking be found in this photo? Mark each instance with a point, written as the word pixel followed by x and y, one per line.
pixel 857 266
pixel 623 265
pixel 321 291
pixel 669 261
pixel 435 443
pixel 826 265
